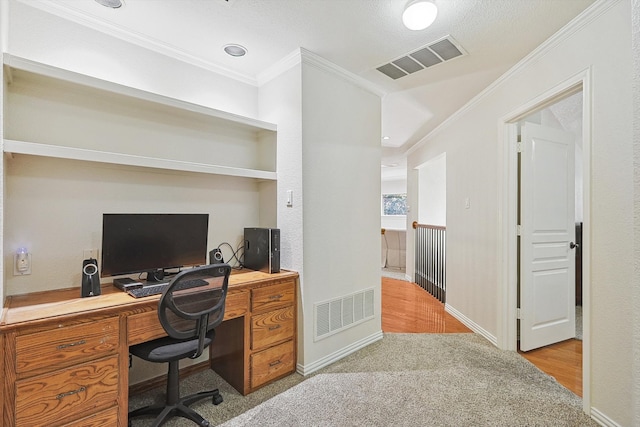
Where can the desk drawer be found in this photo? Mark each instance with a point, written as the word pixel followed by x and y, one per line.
pixel 271 364
pixel 101 419
pixel 272 296
pixel 67 345
pixel 56 398
pixel 143 327
pixel 270 328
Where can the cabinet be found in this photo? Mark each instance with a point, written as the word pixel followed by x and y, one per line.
pixel 273 326
pixel 65 358
pixel 64 374
pixel 259 347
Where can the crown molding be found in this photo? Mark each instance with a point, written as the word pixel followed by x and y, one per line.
pixel 280 67
pixel 586 17
pixel 135 38
pixel 302 55
pixel 317 61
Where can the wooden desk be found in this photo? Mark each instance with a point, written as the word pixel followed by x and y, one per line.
pixel 65 359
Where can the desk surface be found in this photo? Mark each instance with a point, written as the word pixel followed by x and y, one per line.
pixel 19 309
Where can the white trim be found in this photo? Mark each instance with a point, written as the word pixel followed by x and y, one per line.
pixel 587 16
pixel 305 56
pixel 507 290
pixel 602 419
pixel 135 38
pixel 73 153
pixel 471 324
pixel 319 62
pixel 337 355
pixel 285 64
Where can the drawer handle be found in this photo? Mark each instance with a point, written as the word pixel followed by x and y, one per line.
pixel 274 327
pixel 73 344
pixel 274 297
pixel 276 363
pixel 69 393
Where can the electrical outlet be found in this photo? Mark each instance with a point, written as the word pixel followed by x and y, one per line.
pixel 90 253
pixel 21 264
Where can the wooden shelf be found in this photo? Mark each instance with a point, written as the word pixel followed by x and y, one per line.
pixel 46 150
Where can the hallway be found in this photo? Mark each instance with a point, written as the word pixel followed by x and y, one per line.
pixel 407 308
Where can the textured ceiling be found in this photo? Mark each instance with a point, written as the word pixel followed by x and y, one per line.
pixel 358 35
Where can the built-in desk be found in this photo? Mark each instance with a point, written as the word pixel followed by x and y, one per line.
pixel 65 359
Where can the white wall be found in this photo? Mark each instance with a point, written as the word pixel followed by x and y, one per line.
pixel 432 197
pixel 473 142
pixel 281 102
pixel 4 33
pixel 49 39
pixel 635 13
pixel 328 160
pixel 341 169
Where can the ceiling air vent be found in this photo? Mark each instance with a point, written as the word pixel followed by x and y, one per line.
pixel 434 53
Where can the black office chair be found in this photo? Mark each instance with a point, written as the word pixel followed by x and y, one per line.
pixel 189 316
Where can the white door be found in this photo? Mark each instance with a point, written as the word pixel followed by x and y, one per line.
pixel 547 254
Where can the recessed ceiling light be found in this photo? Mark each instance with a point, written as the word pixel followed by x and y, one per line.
pixel 235 50
pixel 114 4
pixel 386 138
pixel 419 14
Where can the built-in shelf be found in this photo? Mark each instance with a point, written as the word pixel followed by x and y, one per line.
pixel 13 62
pixel 248 144
pixel 46 150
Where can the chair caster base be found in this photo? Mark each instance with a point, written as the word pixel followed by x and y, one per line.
pixel 217 399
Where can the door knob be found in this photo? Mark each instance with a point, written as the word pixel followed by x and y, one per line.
pixel 574 245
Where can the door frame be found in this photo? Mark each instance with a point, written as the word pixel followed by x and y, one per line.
pixel 507 218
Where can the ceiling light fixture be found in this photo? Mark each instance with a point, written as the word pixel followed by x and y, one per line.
pixel 419 14
pixel 114 4
pixel 235 50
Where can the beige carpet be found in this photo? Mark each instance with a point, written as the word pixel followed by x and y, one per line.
pixel 403 380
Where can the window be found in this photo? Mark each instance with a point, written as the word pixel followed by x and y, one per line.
pixel 394 204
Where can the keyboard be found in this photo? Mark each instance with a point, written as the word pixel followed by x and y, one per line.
pixel 159 288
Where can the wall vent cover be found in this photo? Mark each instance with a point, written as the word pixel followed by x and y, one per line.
pixel 341 313
pixel 442 50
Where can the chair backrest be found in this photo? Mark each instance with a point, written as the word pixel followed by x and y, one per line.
pixel 187 312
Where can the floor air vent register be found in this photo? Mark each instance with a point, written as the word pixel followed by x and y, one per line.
pixel 432 54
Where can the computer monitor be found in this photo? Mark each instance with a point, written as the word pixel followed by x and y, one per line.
pixel 152 243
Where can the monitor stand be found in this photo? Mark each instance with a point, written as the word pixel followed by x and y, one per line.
pixel 155 276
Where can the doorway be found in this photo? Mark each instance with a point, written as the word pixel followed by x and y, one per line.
pixel 577 86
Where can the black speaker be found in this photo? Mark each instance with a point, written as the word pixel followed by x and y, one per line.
pixel 90 278
pixel 215 256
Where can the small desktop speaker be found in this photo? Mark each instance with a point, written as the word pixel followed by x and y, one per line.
pixel 90 278
pixel 215 256
pixel 262 249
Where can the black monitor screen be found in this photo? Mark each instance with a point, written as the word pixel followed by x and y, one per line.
pixel 136 243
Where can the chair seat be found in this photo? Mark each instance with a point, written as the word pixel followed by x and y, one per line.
pixel 169 349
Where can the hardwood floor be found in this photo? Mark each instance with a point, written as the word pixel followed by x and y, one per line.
pixel 407 308
pixel 562 360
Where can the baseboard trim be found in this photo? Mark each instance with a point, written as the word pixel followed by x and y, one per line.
pixel 161 381
pixel 602 419
pixel 471 325
pixel 337 355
